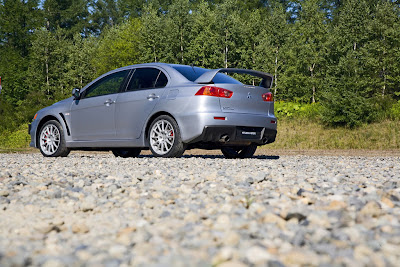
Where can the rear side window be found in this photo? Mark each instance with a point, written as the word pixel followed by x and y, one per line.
pixel 107 85
pixel 147 78
pixel 192 73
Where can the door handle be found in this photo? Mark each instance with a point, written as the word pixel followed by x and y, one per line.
pixel 109 102
pixel 152 96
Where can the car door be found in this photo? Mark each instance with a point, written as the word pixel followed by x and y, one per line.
pixel 92 116
pixel 133 106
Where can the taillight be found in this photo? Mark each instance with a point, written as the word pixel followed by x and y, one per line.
pixel 269 97
pixel 215 91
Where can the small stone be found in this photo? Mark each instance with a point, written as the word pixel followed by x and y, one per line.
pixel 223 222
pixel 273 218
pixel 231 239
pixel 79 228
pixel 387 202
pixel 88 204
pixel 44 227
pixel 301 257
pixel 232 264
pixel 372 208
pixel 223 255
pixel 258 255
pixel 337 205
pixel 117 251
pixel 4 193
pixel 53 263
pixel 362 253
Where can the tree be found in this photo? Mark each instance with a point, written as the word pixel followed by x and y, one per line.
pixel 79 65
pixel 18 20
pixel 308 49
pixel 71 15
pixel 48 63
pixel 381 52
pixel 153 35
pixel 178 25
pixel 273 41
pixel 204 47
pixel 346 100
pixel 228 29
pixel 118 47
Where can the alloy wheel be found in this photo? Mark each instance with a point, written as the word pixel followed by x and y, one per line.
pixel 162 137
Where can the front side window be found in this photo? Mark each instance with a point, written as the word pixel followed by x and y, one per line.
pixel 107 85
pixel 147 78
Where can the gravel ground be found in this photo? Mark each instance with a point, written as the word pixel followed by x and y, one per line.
pixel 92 209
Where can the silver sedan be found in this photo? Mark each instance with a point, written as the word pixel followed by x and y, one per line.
pixel 166 108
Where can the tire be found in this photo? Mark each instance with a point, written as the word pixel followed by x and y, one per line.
pixel 164 138
pixel 239 152
pixel 126 152
pixel 52 140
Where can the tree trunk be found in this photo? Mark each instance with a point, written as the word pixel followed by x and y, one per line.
pixel 384 81
pixel 226 49
pixel 276 71
pixel 47 71
pixel 182 45
pixel 312 80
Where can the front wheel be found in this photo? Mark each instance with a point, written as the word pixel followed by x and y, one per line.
pixel 239 152
pixel 126 152
pixel 52 141
pixel 165 138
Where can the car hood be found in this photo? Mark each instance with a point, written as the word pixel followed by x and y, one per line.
pixel 59 106
pixel 65 101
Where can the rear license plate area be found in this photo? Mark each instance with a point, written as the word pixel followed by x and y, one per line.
pixel 248 133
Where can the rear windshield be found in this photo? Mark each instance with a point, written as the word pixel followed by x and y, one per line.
pixel 192 73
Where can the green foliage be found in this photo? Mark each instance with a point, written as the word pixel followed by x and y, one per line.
pixel 15 139
pixel 347 108
pixel 297 110
pixel 395 111
pixel 118 47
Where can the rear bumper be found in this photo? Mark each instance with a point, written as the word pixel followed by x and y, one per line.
pixel 209 127
pixel 237 134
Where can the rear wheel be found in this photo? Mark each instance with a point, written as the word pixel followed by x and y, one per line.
pixel 52 141
pixel 165 138
pixel 126 152
pixel 239 152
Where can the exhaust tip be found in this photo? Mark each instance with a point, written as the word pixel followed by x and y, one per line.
pixel 224 138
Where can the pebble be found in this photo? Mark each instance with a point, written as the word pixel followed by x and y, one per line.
pixel 92 209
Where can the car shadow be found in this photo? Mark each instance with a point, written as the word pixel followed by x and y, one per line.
pixel 270 157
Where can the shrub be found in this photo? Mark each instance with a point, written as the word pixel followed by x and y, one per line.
pixel 347 108
pixel 15 139
pixel 395 111
pixel 297 110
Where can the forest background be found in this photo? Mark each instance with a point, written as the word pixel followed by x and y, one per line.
pixel 336 64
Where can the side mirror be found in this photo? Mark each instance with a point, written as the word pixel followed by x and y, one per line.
pixel 76 93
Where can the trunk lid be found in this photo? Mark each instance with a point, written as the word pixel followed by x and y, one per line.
pixel 245 99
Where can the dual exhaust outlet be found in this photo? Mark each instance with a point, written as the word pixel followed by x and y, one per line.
pixel 225 139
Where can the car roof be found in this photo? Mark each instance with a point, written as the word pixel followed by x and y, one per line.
pixel 175 76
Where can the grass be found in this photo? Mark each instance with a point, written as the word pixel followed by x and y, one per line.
pixel 293 134
pixel 305 134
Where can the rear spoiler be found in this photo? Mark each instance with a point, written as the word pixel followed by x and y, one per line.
pixel 208 76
